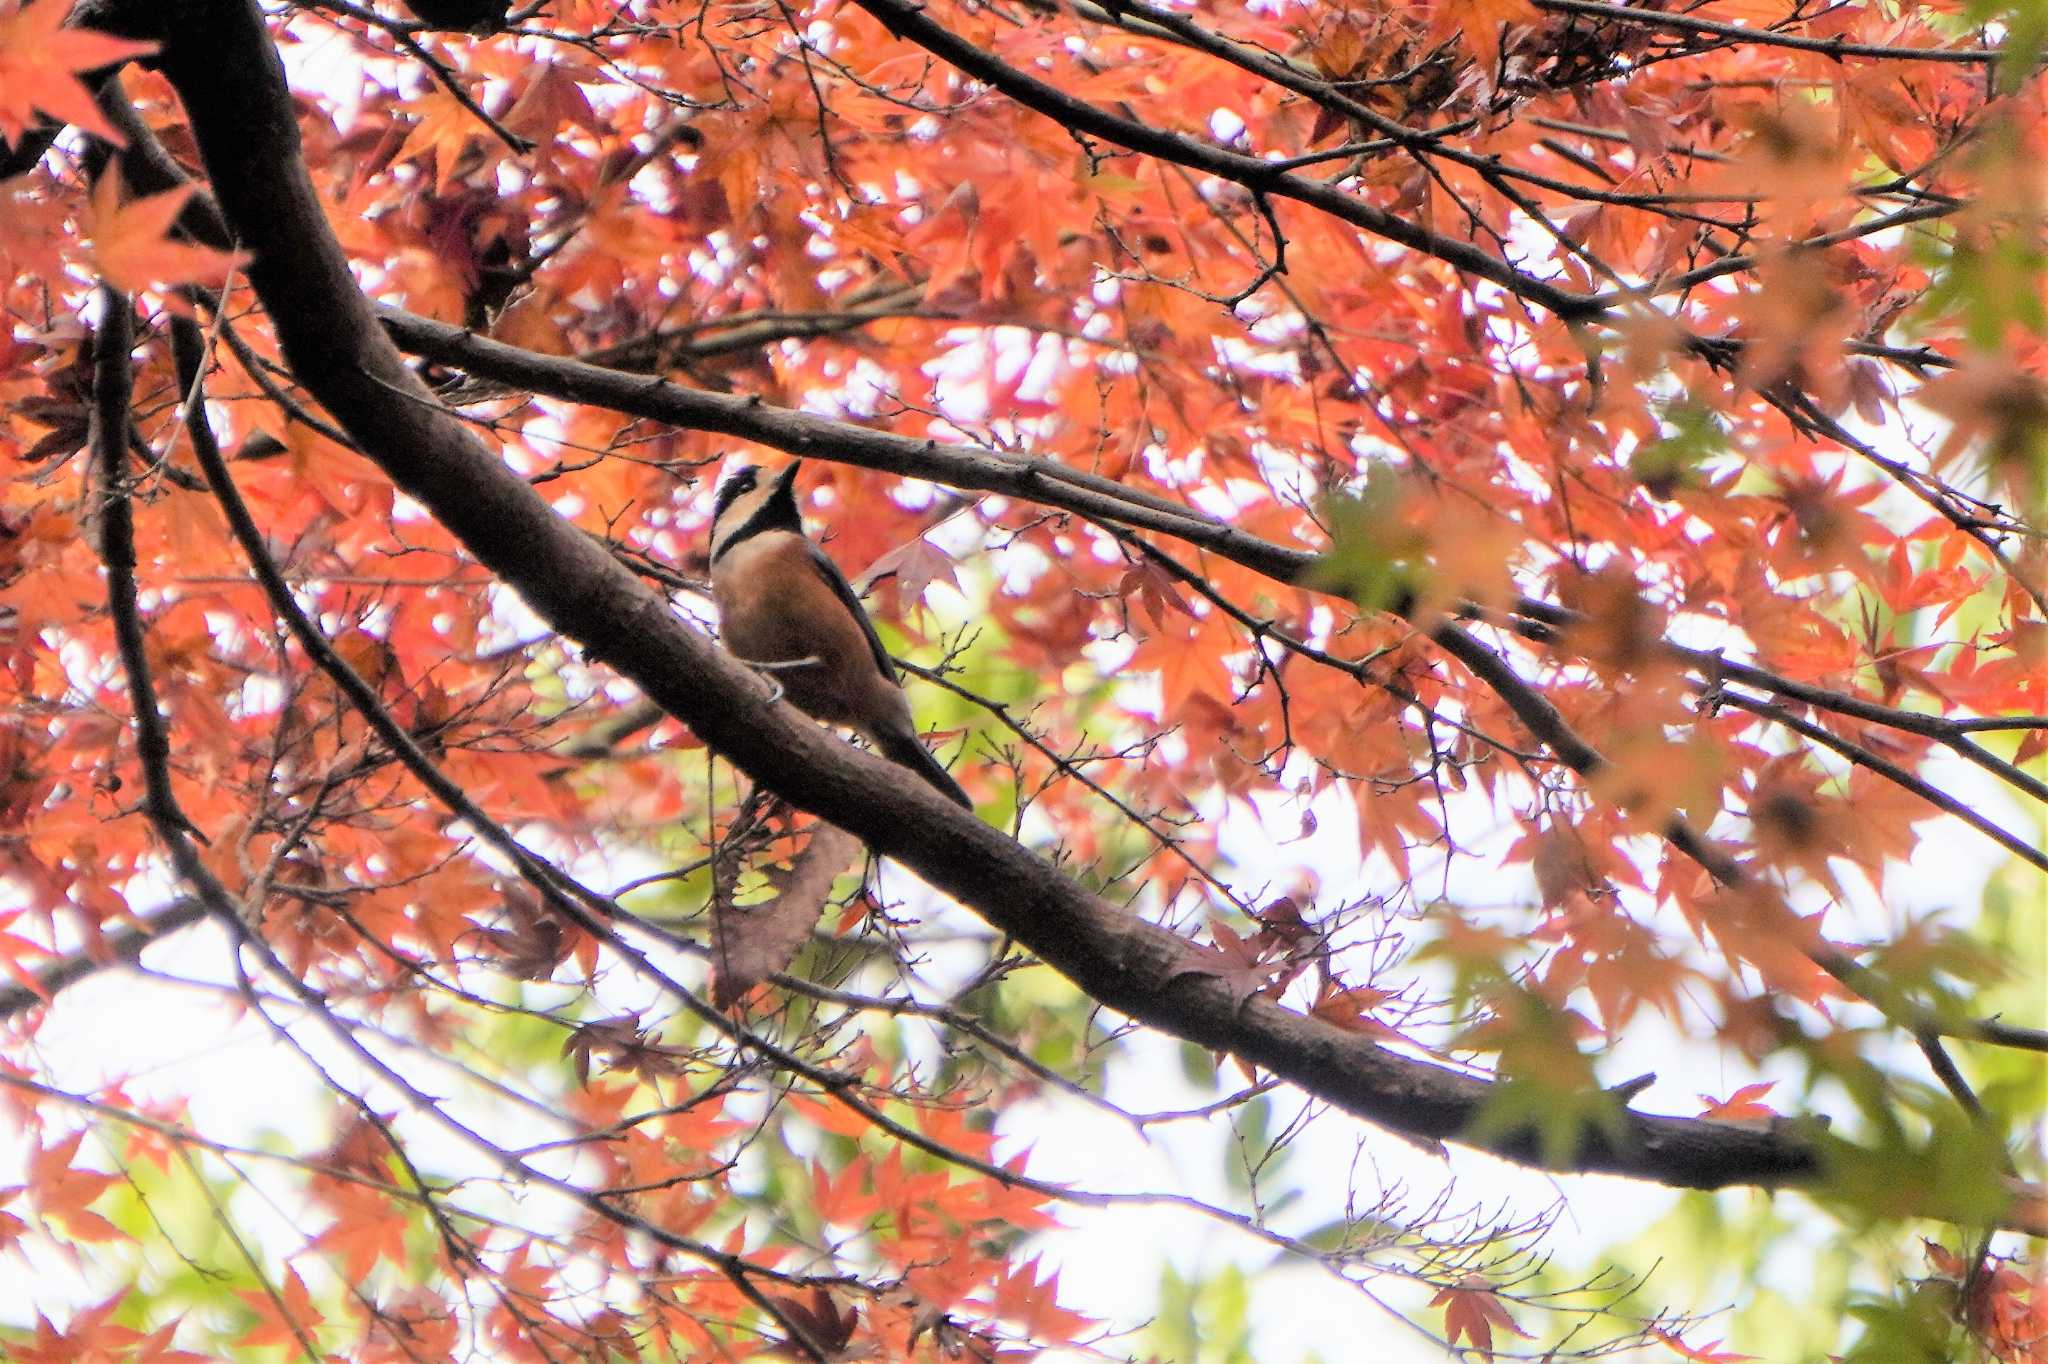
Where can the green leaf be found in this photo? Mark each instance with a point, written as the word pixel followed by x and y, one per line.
pixel 1675 460
pixel 1916 1327
pixel 1203 1319
pixel 1374 558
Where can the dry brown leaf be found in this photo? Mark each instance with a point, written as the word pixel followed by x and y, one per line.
pixel 749 943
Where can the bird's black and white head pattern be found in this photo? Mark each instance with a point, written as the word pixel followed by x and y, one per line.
pixel 749 501
pixel 738 480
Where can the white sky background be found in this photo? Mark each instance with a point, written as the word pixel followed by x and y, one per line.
pixel 172 1042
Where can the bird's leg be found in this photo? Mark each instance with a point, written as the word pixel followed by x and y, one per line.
pixel 769 667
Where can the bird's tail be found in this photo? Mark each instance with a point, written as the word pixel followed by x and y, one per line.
pixel 904 749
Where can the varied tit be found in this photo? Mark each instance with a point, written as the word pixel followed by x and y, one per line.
pixel 785 607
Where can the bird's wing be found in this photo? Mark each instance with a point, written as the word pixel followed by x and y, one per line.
pixel 829 571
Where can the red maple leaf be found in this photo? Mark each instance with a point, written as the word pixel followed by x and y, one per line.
pixel 133 246
pixel 40 61
pixel 1471 1310
pixel 1743 1103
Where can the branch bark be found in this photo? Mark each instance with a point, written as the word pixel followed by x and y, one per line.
pixel 149 170
pixel 221 62
pixel 119 947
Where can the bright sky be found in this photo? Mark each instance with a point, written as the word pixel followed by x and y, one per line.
pixel 174 1040
pixel 171 1041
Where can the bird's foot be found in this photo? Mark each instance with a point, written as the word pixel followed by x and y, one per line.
pixel 769 667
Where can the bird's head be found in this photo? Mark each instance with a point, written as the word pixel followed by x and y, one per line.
pixel 750 500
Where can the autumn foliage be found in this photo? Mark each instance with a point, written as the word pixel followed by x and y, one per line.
pixel 1466 551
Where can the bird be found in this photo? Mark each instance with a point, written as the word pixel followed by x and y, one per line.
pixel 785 607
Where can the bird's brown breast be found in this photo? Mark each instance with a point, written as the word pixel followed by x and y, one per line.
pixel 774 606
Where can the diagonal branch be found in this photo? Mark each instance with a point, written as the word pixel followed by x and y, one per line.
pixel 1088 495
pixel 1715 28
pixel 218 57
pixel 149 169
pixel 121 947
pixel 907 19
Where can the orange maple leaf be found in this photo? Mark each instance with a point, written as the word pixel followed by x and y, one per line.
pixel 444 127
pixel 15 951
pixel 1471 1310
pixel 132 243
pixel 1710 1353
pixel 1022 1296
pixel 280 1323
pixel 367 1228
pixel 63 1192
pixel 1746 1102
pixel 93 1336
pixel 39 64
pixel 1480 22
pixel 12 1228
pixel 553 100
pixel 1350 1008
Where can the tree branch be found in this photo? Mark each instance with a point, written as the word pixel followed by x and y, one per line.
pixel 123 946
pixel 907 19
pixel 149 169
pixel 1715 28
pixel 218 57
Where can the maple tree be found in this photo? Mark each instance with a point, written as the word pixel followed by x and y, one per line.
pixel 1457 546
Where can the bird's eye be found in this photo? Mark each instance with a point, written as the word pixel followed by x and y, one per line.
pixel 740 480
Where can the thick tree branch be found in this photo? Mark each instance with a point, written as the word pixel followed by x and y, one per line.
pixel 149 169
pixel 218 57
pixel 1051 484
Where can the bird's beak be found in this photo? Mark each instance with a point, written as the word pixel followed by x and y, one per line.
pixel 786 478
